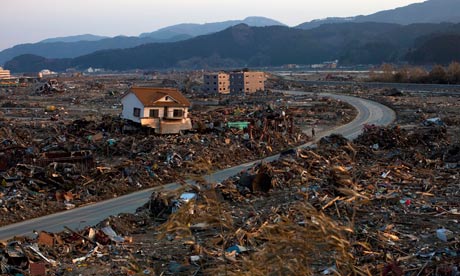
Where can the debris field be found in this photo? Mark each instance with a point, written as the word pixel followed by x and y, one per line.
pixel 52 165
pixel 383 204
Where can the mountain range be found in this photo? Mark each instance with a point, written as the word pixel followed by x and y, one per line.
pixel 432 11
pixel 192 30
pixel 74 46
pixel 74 38
pixel 388 36
pixel 245 46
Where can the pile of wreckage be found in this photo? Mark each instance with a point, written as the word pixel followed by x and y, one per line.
pixel 384 204
pixel 67 165
pixel 50 86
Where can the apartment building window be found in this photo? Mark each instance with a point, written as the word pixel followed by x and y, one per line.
pixel 178 113
pixel 136 112
pixel 154 113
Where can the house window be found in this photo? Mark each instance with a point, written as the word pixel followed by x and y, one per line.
pixel 154 113
pixel 137 112
pixel 178 113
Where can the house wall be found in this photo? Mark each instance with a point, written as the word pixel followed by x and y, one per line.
pixel 162 113
pixel 237 82
pixel 224 83
pixel 146 113
pixel 129 102
pixel 166 99
pixel 151 122
pixel 254 81
pixel 169 125
pixel 247 82
pixel 217 83
pixel 170 112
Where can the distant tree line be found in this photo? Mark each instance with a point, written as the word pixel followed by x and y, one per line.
pixel 438 74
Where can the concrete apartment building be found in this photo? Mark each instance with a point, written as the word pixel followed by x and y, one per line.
pixel 217 83
pixel 247 82
pixel 4 74
pixel 234 82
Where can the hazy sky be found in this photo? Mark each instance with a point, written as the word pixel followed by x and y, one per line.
pixel 28 21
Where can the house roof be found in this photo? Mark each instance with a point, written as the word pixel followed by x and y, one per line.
pixel 151 96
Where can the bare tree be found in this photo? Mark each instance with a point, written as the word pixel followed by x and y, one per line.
pixel 438 74
pixel 388 71
pixel 453 73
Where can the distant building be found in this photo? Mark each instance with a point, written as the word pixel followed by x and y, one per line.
pixel 217 83
pixel 326 65
pixel 4 74
pixel 290 66
pixel 247 82
pixel 331 64
pixel 46 73
pixel 92 70
pixel 163 109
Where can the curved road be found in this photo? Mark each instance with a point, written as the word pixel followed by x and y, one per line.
pixel 369 112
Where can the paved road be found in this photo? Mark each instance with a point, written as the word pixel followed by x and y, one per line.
pixel 368 113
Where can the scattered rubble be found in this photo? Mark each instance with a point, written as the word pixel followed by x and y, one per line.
pixel 343 207
pixel 63 164
pixel 384 204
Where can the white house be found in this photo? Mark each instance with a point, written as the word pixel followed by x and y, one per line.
pixel 164 109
